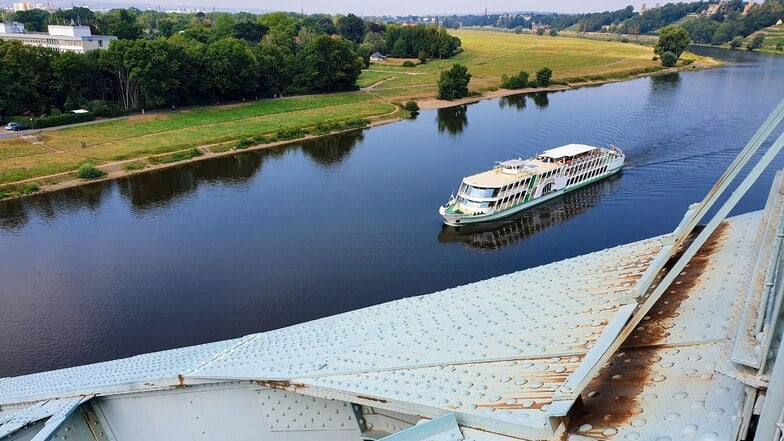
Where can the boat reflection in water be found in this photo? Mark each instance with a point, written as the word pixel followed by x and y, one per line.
pixel 495 235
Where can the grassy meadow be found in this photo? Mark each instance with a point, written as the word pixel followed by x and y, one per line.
pixel 492 53
pixel 487 54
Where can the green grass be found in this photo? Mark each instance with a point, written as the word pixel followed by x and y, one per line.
pixel 18 147
pixel 153 134
pixel 369 77
pixel 131 166
pixel 489 54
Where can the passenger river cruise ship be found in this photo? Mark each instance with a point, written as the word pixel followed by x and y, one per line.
pixel 515 185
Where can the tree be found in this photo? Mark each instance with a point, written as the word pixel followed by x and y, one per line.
pixel 672 39
pixel 543 76
pixel 453 83
pixel 375 39
pixel 736 42
pixel 232 68
pixel 33 20
pixel 325 65
pixel 756 42
pixel 553 32
pixel 399 49
pixel 121 24
pixel 352 28
pixel 249 31
pixel 669 59
pixel 540 31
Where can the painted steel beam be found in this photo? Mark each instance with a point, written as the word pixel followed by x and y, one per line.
pixel 440 429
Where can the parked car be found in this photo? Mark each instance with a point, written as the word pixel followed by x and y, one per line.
pixel 15 127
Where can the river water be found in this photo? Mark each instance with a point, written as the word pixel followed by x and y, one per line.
pixel 266 239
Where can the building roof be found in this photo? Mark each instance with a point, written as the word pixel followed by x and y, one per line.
pixel 567 150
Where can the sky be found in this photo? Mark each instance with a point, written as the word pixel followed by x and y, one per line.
pixel 394 7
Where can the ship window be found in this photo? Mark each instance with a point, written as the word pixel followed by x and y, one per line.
pixel 478 192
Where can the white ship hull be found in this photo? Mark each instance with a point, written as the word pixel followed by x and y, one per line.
pixel 552 182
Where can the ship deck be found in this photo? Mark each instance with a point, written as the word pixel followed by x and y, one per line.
pixel 496 178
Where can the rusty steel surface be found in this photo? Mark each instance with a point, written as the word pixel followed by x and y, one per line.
pixel 663 381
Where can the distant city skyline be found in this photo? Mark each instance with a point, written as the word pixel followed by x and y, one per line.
pixel 413 7
pixel 358 7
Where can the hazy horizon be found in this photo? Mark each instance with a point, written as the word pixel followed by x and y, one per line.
pixel 399 8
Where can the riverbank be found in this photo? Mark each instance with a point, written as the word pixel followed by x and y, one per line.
pixel 129 167
pixel 47 161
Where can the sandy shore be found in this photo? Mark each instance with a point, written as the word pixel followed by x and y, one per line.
pixel 115 169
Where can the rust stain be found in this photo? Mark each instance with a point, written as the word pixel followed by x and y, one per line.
pixel 655 329
pixel 612 397
pixel 365 397
pixel 280 384
pixel 180 380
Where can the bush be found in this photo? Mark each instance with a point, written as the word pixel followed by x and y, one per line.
pixel 779 46
pixel 30 188
pixel 533 83
pixel 624 40
pixel 515 82
pixel 290 133
pixel 540 31
pixel 655 58
pixel 553 32
pixel 453 83
pixel 543 76
pixel 688 61
pixel 131 166
pixel 411 106
pixel 243 143
pixel 736 42
pixel 89 171
pixel 756 42
pixel 408 63
pixel 104 109
pixel 53 121
pixel 176 157
pixel 669 59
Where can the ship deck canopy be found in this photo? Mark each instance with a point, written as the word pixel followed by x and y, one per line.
pixel 568 150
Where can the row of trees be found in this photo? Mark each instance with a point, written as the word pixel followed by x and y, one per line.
pixel 717 29
pixel 722 28
pixel 163 59
pixel 138 74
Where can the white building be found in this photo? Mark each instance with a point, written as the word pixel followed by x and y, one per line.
pixel 60 38
pixel 26 6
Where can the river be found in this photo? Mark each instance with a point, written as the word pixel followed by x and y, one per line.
pixel 265 239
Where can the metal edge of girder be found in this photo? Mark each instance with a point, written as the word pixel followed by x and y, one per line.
pixel 443 428
pixel 113 389
pixel 578 380
pixel 53 420
pixel 764 274
pixel 53 423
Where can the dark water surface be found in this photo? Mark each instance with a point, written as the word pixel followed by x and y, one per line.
pixel 266 239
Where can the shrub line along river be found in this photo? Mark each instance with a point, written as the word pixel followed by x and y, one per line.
pixel 269 238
